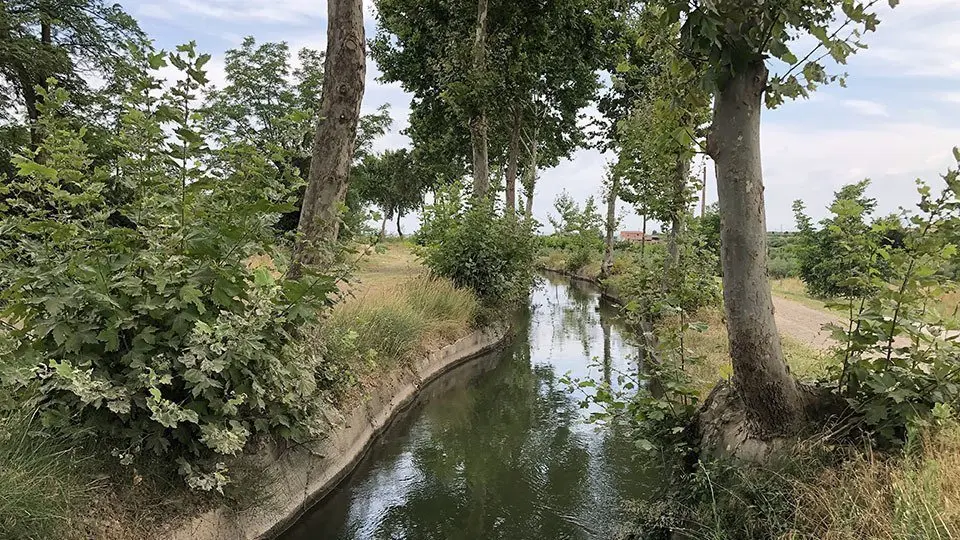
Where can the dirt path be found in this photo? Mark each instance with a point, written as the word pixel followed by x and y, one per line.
pixel 804 323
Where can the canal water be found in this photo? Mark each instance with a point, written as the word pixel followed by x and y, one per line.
pixel 498 449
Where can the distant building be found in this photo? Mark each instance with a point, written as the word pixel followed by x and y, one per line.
pixel 638 236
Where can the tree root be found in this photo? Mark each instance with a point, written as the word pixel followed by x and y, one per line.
pixel 723 428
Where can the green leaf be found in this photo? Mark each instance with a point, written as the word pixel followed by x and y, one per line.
pixel 262 277
pixel 32 168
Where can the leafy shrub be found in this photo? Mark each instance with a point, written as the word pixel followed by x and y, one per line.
pixel 159 334
pixel 782 267
pixel 467 242
pixel 578 258
pixel 578 231
pixel 897 358
pixel 689 286
pixel 841 258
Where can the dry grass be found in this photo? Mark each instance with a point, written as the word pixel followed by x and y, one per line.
pixel 794 289
pixel 915 496
pixel 712 349
pixel 950 303
pixel 397 310
pixel 555 260
pixel 384 271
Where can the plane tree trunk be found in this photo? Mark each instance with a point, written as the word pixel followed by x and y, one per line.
pixel 611 225
pixel 761 377
pixel 335 138
pixel 478 123
pixel 513 165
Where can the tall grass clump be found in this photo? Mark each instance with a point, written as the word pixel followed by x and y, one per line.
pixel 915 496
pixel 392 323
pixel 819 491
pixel 41 488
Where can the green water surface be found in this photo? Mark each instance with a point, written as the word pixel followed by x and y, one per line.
pixel 498 449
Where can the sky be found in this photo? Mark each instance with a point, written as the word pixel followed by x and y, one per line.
pixel 896 121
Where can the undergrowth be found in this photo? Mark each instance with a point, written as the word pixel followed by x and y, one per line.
pixel 41 486
pixel 393 323
pixel 819 491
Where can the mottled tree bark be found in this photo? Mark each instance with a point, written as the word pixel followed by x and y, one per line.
pixel 335 138
pixel 611 225
pixel 760 372
pixel 643 237
pixel 478 123
pixel 513 165
pixel 678 202
pixel 530 176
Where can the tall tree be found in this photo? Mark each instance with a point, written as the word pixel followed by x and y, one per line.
pixel 610 224
pixel 732 40
pixel 659 136
pixel 65 39
pixel 535 62
pixel 479 135
pixel 274 106
pixel 333 145
pixel 392 181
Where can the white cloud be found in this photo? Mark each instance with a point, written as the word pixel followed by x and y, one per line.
pixel 919 38
pixel 868 108
pixel 949 97
pixel 294 12
pixel 810 164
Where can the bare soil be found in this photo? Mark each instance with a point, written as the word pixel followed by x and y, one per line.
pixel 804 323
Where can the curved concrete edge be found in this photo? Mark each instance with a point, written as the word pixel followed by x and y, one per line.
pixel 607 291
pixel 305 475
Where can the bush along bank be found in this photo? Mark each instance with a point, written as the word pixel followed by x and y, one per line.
pixel 154 334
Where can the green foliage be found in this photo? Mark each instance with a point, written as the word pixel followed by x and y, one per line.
pixel 662 399
pixel 85 36
pixel 164 336
pixel 728 36
pixel 897 353
pixel 477 249
pixel 660 134
pixel 689 285
pixel 841 258
pixel 578 231
pixel 272 106
pixel 541 65
pixel 392 181
pixel 782 267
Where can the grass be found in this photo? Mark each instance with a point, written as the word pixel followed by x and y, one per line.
pixel 712 349
pixel 794 289
pixel 556 260
pixel 42 487
pixel 406 318
pixel 832 493
pixel 395 311
pixel 916 495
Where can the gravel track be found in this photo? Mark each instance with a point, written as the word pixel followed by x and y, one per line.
pixel 804 323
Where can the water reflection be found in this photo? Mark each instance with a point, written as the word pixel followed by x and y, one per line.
pixel 498 449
